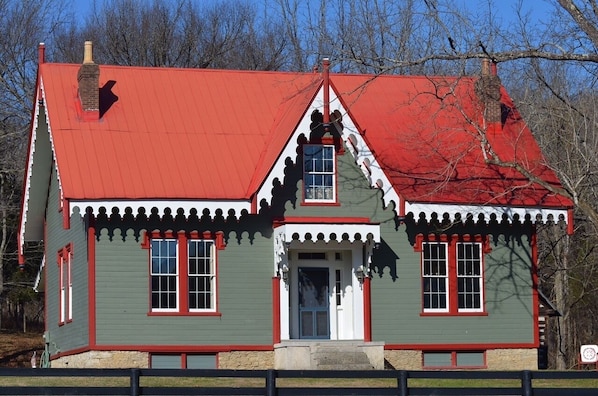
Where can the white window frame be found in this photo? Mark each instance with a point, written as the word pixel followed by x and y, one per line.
pixel 65 280
pixel 211 274
pixel 69 310
pixel 428 276
pixel 62 313
pixel 476 278
pixel 160 274
pixel 311 191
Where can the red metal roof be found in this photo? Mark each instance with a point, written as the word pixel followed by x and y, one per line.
pixel 426 134
pixel 172 133
pixel 215 134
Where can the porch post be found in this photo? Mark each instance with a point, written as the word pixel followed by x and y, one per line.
pixel 367 310
pixel 275 310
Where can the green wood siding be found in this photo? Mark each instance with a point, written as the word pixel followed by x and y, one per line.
pixel 74 334
pixel 396 283
pixel 396 298
pixel 245 270
pixel 123 296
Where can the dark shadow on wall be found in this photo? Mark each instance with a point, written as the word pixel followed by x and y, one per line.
pixel 385 260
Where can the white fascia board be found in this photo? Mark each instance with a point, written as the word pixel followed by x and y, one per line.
pixel 361 152
pixel 38 277
pixel 173 205
pixel 475 210
pixel 28 172
pixel 40 96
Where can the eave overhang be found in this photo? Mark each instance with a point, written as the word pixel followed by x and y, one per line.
pixel 331 231
pixel 538 214
pixel 160 206
pixel 37 175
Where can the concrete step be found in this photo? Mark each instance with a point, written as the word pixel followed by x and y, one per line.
pixel 340 358
pixel 353 367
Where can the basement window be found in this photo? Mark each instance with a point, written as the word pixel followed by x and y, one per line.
pixel 454 359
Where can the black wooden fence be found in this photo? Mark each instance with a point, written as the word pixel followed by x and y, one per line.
pixel 272 382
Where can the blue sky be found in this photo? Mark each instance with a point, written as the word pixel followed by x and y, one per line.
pixel 538 9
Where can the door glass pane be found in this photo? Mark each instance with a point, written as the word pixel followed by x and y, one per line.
pixel 322 323
pixel 307 324
pixel 313 302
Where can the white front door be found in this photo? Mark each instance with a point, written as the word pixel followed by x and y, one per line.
pixel 322 298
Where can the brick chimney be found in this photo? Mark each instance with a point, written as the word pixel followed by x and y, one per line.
pixel 89 86
pixel 487 88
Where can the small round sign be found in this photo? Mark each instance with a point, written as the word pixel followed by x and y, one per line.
pixel 589 353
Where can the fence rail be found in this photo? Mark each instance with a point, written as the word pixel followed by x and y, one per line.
pixel 137 382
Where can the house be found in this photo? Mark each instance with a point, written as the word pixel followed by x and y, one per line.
pixel 246 219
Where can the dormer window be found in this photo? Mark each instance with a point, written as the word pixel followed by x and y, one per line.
pixel 319 173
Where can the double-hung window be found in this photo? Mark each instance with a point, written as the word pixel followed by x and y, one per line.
pixel 65 279
pixel 319 173
pixel 165 274
pixel 435 277
pixel 183 273
pixel 201 273
pixel 469 276
pixel 452 276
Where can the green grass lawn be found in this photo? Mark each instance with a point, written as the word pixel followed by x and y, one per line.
pixel 288 382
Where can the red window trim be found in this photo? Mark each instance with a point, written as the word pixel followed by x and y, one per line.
pixel 451 241
pixel 182 237
pixel 64 260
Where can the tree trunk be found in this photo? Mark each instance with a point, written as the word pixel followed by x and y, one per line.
pixel 561 294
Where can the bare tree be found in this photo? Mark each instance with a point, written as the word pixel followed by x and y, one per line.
pixel 23 24
pixel 183 33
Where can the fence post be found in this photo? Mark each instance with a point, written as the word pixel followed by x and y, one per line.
pixel 526 383
pixel 403 387
pixel 271 383
pixel 135 382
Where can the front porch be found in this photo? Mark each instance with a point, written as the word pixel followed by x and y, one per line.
pixel 328 355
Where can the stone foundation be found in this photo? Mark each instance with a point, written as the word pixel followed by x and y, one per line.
pixel 103 359
pixel 403 359
pixel 512 359
pixel 496 359
pixel 246 360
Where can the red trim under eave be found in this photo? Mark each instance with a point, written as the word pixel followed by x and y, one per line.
pixel 91 284
pixel 275 310
pixel 460 347
pixel 367 310
pixel 570 225
pixel 66 214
